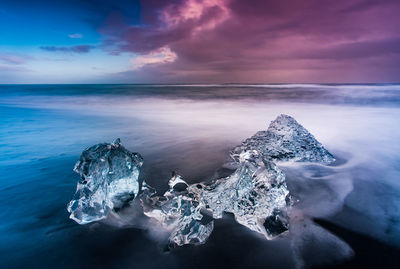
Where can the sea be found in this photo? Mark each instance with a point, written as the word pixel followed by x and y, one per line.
pixel 347 214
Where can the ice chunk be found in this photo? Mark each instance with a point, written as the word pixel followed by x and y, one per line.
pixel 109 177
pixel 254 193
pixel 285 140
pixel 179 212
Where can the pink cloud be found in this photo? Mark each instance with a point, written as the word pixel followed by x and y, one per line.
pixel 195 10
pixel 160 56
pixel 264 41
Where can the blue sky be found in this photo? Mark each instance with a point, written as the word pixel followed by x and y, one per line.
pixel 38 41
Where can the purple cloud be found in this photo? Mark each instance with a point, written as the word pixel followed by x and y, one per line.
pixel 262 41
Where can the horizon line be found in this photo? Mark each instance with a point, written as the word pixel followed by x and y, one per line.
pixel 211 84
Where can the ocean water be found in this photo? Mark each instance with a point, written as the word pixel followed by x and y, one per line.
pixel 348 215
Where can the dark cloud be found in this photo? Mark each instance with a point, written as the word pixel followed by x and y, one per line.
pixel 72 49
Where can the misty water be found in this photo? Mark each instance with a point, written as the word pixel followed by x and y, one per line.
pixel 348 213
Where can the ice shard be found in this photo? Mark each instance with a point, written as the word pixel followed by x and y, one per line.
pixel 179 212
pixel 109 177
pixel 254 193
pixel 285 140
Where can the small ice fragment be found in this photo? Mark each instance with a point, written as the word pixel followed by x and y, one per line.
pixel 179 212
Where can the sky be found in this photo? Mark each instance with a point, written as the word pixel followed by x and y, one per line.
pixel 200 41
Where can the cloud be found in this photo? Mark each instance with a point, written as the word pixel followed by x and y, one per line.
pixel 194 10
pixel 261 41
pixel 353 50
pixel 246 41
pixel 162 55
pixel 76 35
pixel 73 49
pixel 13 68
pixel 11 59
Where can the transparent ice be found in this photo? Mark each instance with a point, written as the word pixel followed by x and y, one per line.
pixel 285 140
pixel 255 192
pixel 109 177
pixel 179 212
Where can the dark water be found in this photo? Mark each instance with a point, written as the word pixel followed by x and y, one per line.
pixel 348 215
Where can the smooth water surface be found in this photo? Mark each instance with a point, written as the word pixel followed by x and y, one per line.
pixel 190 129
